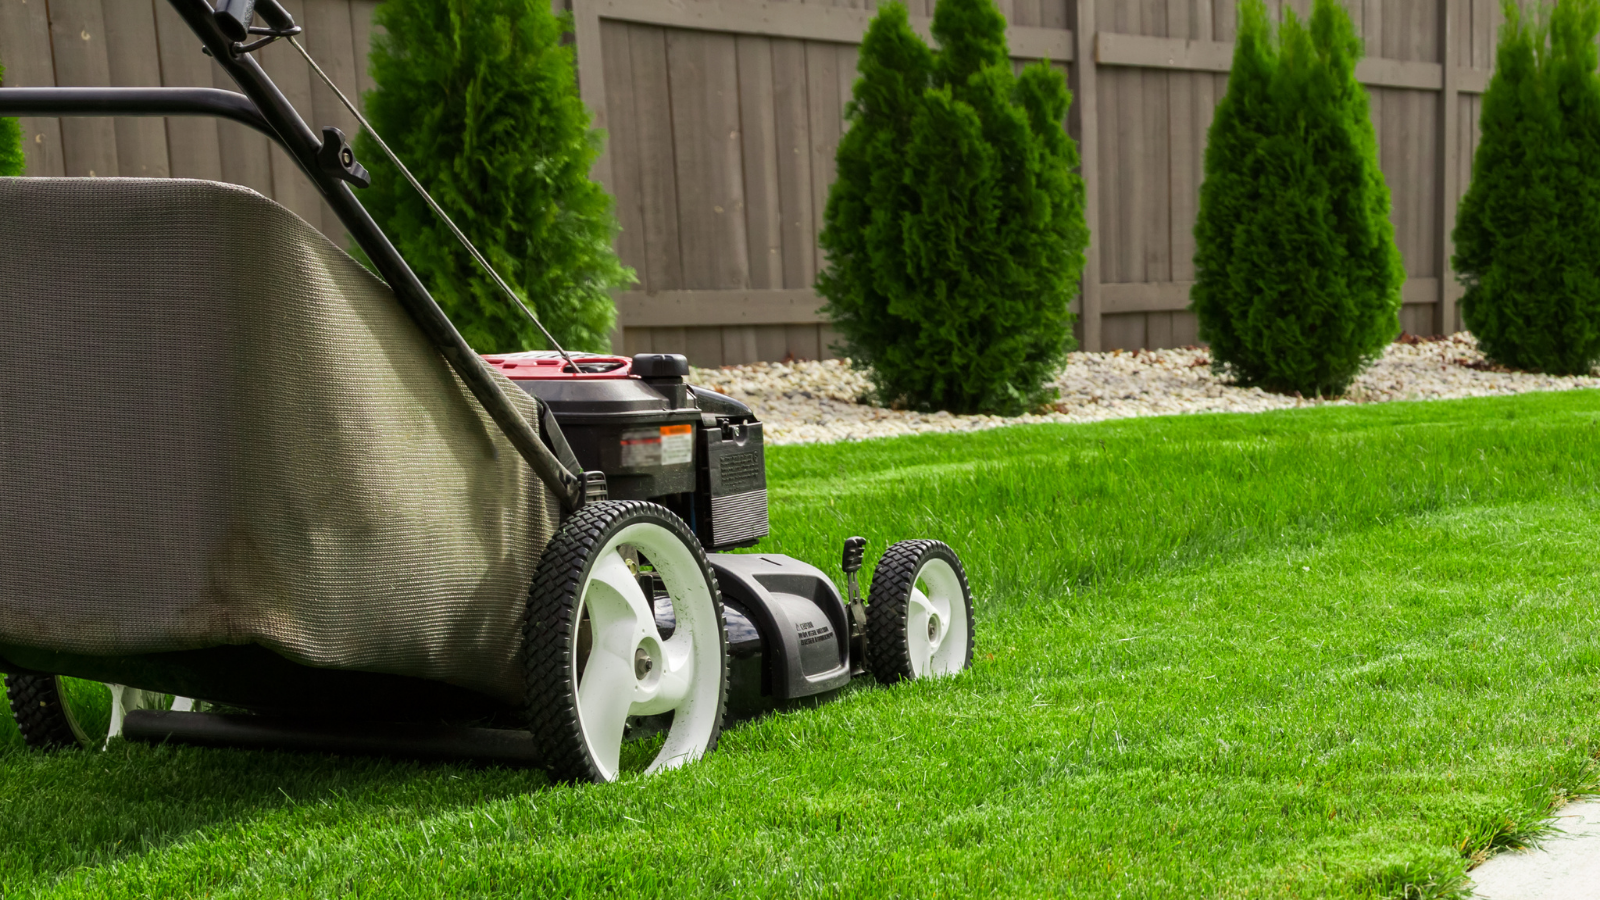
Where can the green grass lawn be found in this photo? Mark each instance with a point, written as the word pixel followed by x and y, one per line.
pixel 1324 652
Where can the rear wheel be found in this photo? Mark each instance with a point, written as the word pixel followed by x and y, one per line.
pixel 919 613
pixel 54 712
pixel 596 658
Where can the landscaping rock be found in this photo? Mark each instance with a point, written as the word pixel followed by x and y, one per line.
pixel 811 402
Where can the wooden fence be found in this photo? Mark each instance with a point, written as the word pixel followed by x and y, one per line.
pixel 723 116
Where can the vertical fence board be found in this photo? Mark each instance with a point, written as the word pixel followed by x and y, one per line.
pixel 824 119
pixel 623 136
pixel 78 38
pixel 1084 121
pixel 792 134
pixel 758 128
pixel 658 184
pixel 361 31
pixel 192 148
pixel 134 61
pixel 703 72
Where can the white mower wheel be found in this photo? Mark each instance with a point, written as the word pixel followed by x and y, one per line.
pixel 919 613
pixel 594 656
pixel 52 711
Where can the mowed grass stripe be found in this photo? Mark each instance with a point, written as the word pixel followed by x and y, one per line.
pixel 1333 651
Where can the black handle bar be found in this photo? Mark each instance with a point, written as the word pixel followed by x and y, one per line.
pixel 110 101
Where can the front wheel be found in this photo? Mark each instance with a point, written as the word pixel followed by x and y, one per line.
pixel 624 626
pixel 919 613
pixel 54 712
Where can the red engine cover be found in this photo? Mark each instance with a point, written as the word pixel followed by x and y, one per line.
pixel 547 364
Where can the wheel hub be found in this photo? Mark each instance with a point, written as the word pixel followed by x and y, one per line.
pixel 642 664
pixel 933 628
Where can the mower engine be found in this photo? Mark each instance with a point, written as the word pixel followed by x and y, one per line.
pixel 699 453
pixel 657 438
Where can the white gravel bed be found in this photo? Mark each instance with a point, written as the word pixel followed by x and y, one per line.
pixel 809 402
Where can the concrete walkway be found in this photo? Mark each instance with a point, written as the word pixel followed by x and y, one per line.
pixel 1566 867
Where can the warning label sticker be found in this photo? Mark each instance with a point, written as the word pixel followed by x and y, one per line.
pixel 641 449
pixel 669 445
pixel 677 444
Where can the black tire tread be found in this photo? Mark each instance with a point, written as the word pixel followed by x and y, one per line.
pixel 888 599
pixel 40 712
pixel 551 627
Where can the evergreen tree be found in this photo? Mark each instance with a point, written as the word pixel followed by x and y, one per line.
pixel 1298 277
pixel 955 230
pixel 479 97
pixel 10 142
pixel 1528 230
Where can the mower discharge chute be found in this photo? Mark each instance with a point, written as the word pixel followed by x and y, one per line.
pixel 240 469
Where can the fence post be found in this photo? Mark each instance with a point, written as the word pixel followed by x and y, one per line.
pixel 1448 176
pixel 1084 115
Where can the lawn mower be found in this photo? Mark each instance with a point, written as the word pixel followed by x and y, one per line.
pixel 273 499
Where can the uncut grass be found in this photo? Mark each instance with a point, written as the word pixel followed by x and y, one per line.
pixel 1327 652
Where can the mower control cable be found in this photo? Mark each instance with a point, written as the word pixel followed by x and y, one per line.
pixel 433 205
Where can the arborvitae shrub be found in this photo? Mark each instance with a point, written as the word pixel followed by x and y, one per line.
pixel 1528 230
pixel 10 142
pixel 955 231
pixel 480 100
pixel 1297 275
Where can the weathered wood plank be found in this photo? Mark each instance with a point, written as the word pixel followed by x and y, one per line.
pixel 1123 332
pixel 825 119
pixel 703 346
pixel 763 212
pixel 739 346
pixel 25 53
pixel 792 133
pixel 361 29
pixel 623 136
pixel 1026 13
pixel 130 51
pixel 1185 329
pixel 192 148
pixel 1156 211
pixel 591 81
pixel 704 88
pixel 1084 122
pixel 772 343
pixel 78 39
pixel 1158 330
pixel 658 180
pixel 805 341
pixel 1053 14
pixel 1447 174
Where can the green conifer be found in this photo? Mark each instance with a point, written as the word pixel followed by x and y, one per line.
pixel 955 230
pixel 479 98
pixel 1298 277
pixel 10 142
pixel 1528 230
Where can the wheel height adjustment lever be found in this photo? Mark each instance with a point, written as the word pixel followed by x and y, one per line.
pixel 855 548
